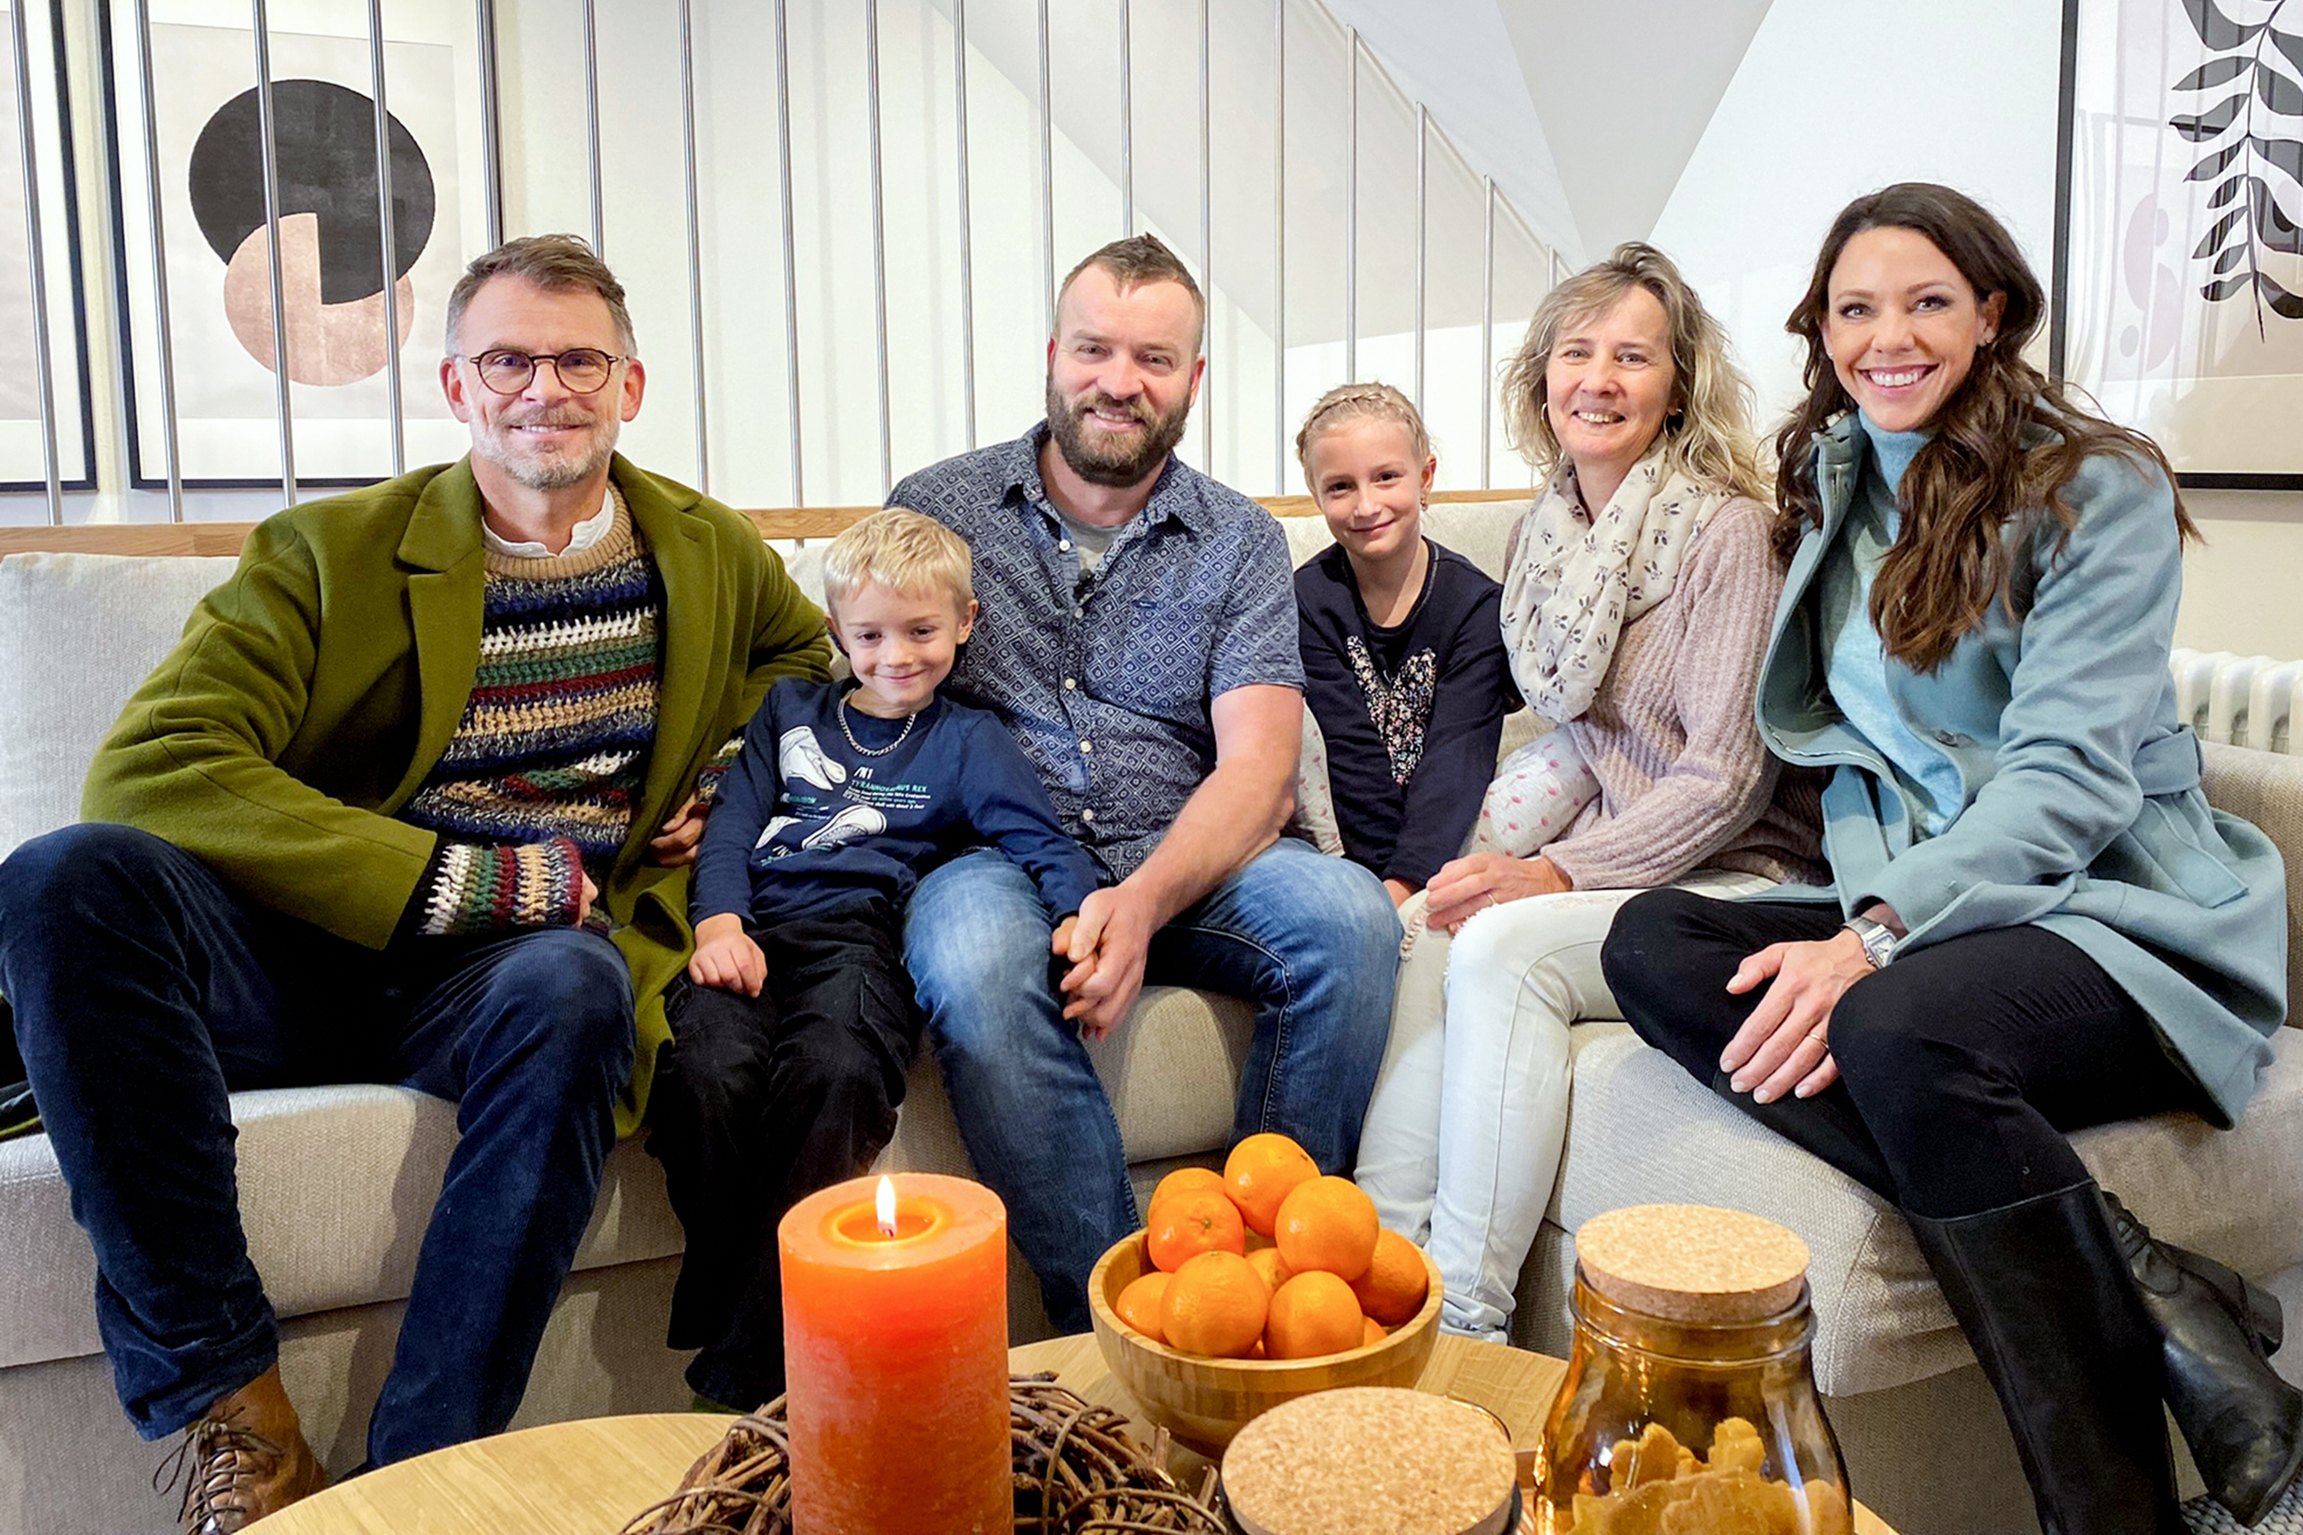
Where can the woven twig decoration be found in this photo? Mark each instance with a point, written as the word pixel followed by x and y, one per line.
pixel 1077 1472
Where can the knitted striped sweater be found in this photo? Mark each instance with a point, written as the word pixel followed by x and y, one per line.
pixel 540 779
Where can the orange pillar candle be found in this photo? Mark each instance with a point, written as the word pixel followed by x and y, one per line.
pixel 896 1359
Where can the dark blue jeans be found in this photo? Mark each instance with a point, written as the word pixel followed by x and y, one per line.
pixel 145 991
pixel 1311 941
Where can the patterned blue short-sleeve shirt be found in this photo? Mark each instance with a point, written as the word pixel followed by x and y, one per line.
pixel 1105 677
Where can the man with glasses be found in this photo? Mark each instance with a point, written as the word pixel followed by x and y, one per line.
pixel 410 802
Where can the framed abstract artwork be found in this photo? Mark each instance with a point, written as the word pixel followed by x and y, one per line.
pixel 209 248
pixel 2179 238
pixel 23 450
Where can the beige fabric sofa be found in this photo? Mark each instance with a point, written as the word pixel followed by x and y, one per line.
pixel 336 1182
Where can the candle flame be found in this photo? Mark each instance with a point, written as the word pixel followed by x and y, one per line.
pixel 885 1205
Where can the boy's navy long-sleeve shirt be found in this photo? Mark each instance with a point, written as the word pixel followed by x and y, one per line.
pixel 804 822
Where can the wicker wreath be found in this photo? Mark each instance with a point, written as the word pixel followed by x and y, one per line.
pixel 1077 1472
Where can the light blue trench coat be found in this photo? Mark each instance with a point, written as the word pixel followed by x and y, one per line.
pixel 2081 808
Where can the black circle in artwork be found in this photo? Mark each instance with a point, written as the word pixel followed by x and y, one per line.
pixel 326 166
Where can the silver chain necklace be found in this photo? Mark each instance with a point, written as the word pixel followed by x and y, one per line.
pixel 867 751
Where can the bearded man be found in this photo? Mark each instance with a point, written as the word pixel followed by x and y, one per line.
pixel 410 802
pixel 1138 636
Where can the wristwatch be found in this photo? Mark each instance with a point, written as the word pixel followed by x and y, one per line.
pixel 1877 938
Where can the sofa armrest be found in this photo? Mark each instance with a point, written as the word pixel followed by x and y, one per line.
pixel 2267 789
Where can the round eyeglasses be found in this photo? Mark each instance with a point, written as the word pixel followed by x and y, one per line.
pixel 581 370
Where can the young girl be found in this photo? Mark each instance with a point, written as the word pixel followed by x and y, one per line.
pixel 1402 646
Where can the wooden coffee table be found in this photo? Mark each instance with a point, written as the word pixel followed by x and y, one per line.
pixel 582 1478
pixel 590 1476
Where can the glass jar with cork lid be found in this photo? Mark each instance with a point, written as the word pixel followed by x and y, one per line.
pixel 1690 1400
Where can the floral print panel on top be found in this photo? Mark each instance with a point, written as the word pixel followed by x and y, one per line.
pixel 1398 703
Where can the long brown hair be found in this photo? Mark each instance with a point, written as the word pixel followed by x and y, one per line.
pixel 1950 562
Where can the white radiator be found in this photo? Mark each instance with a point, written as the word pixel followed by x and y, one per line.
pixel 2238 700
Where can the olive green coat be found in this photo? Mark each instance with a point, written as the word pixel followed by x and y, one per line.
pixel 314 690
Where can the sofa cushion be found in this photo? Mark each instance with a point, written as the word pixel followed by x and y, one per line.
pixel 1477 530
pixel 2267 789
pixel 804 563
pixel 1313 818
pixel 78 633
pixel 1480 531
pixel 336 1185
pixel 1170 1072
pixel 1640 1130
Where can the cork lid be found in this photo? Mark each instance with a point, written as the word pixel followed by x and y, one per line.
pixel 1692 1263
pixel 1370 1460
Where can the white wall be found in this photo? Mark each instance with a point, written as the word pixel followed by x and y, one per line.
pixel 1828 105
pixel 1825 108
pixel 2240 584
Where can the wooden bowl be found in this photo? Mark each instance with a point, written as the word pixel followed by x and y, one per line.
pixel 1202 1402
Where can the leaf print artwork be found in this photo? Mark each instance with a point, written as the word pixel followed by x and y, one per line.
pixel 2258 65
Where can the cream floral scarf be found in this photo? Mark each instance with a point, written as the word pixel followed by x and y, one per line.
pixel 1575 580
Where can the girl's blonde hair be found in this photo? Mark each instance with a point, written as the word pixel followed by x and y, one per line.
pixel 904 552
pixel 1707 431
pixel 1360 402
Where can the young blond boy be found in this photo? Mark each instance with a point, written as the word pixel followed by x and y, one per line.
pixel 789 1052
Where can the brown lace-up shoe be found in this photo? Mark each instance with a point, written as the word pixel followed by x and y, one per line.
pixel 245 1458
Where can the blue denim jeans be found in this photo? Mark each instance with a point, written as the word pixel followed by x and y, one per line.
pixel 145 991
pixel 1311 941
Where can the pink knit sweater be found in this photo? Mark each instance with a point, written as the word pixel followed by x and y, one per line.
pixel 1683 780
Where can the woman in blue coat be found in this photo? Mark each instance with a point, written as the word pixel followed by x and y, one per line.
pixel 2036 922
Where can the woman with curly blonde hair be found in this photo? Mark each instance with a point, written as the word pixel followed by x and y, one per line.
pixel 1636 599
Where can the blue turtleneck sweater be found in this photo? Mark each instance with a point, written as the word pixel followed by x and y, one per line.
pixel 1854 665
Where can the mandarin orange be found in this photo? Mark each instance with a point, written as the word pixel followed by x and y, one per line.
pixel 1375 1334
pixel 1261 1171
pixel 1313 1314
pixel 1396 1281
pixel 1185 1180
pixel 1271 1265
pixel 1215 1304
pixel 1195 1221
pixel 1329 1225
pixel 1138 1305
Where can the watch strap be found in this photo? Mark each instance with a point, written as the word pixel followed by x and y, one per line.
pixel 1878 940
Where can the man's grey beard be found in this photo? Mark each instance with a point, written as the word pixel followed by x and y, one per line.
pixel 1065 425
pixel 559 474
pixel 554 473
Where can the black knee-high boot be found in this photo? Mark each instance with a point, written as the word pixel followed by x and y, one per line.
pixel 2244 1424
pixel 2043 1293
